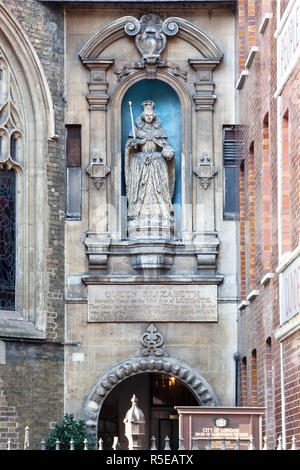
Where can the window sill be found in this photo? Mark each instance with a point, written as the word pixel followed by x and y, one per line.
pixel 13 326
pixel 288 328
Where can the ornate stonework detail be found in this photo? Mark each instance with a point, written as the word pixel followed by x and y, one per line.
pixel 150 35
pixel 152 341
pixel 151 38
pixel 151 69
pixel 98 171
pixel 11 133
pixel 138 365
pixel 205 171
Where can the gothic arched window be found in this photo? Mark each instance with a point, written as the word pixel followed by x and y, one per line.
pixel 10 149
pixel 7 238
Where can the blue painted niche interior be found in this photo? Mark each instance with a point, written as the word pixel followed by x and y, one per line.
pixel 168 108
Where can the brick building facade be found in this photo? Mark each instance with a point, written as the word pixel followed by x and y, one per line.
pixel 32 356
pixel 268 135
pixel 53 359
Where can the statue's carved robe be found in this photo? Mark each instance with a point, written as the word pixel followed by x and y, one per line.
pixel 150 176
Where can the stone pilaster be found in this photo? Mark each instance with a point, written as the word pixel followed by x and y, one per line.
pixel 206 240
pixel 97 240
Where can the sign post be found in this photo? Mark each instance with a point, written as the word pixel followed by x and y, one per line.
pixel 218 425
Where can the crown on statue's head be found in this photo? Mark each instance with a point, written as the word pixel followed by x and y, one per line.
pixel 148 105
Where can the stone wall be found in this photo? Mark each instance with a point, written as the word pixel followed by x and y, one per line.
pixel 265 232
pixel 32 375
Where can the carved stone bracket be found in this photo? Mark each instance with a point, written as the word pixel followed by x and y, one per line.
pixel 205 171
pixel 152 341
pixel 151 69
pixel 97 250
pixel 98 171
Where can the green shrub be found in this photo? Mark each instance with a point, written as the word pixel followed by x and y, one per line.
pixel 69 429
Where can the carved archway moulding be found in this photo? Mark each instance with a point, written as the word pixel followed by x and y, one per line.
pixel 139 365
pixel 116 30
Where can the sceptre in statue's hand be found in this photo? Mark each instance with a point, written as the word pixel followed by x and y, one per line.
pixel 131 115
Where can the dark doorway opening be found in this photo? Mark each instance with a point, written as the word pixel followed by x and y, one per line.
pixel 157 395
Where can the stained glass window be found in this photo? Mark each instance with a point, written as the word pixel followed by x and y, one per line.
pixel 7 238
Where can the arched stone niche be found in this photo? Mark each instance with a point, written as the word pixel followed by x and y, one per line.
pixel 185 148
pixel 107 207
pixel 199 387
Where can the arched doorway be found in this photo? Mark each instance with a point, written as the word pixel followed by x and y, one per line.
pixel 157 395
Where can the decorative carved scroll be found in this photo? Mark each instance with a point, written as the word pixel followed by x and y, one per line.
pixel 152 341
pixel 150 35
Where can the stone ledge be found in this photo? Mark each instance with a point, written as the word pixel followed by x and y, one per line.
pixel 267 277
pixel 19 329
pixel 243 304
pixel 252 295
pixel 241 79
pixel 179 279
pixel 287 259
pixel 251 56
pixel 288 328
pixel 264 23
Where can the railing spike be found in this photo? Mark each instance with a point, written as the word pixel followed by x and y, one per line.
pixel 100 444
pixel 279 447
pixel 208 445
pixel 26 438
pixel 195 443
pixel 237 444
pixel 251 445
pixel 153 445
pixel 85 444
pixel 223 446
pixel 116 444
pixel 167 443
pixel 181 444
pixel 293 443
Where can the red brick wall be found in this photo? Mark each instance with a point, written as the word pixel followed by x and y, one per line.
pixel 260 375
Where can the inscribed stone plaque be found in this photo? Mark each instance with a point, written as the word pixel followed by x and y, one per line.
pixel 152 303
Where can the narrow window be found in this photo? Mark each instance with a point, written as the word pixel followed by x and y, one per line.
pixel 73 159
pixel 254 378
pixel 251 218
pixel 7 239
pixel 266 182
pixel 242 232
pixel 14 147
pixel 230 172
pixel 285 187
pixel 244 391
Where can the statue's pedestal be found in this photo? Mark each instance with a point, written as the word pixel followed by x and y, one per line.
pixel 151 228
pixel 152 256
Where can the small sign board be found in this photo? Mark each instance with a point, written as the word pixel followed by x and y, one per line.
pixel 215 426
